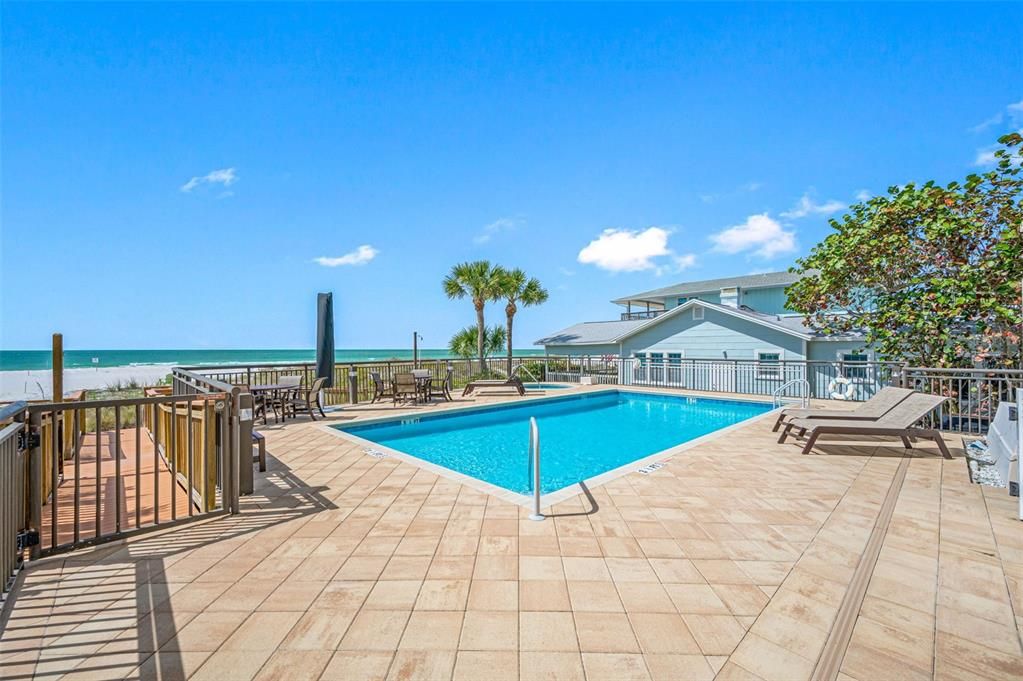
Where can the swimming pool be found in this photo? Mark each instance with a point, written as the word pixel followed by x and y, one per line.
pixel 581 435
pixel 546 386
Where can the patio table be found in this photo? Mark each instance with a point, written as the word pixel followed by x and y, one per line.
pixel 274 390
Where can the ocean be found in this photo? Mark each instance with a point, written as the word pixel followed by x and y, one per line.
pixel 28 360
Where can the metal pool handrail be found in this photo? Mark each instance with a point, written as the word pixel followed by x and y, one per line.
pixel 522 367
pixel 534 465
pixel 805 398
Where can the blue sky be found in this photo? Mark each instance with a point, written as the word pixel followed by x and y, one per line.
pixel 191 175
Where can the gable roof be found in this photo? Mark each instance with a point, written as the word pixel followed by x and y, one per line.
pixel 594 333
pixel 765 280
pixel 599 333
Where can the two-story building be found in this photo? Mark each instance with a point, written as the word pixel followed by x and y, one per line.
pixel 734 318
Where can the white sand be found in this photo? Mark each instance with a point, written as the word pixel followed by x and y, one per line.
pixel 38 384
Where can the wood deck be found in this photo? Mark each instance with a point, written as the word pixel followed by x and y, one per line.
pixel 143 498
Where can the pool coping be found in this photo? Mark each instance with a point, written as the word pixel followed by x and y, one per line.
pixel 371 448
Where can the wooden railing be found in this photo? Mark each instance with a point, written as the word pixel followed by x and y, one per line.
pixel 462 370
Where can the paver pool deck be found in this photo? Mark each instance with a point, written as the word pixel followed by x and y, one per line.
pixel 739 559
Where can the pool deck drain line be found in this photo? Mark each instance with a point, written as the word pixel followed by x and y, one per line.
pixel 829 664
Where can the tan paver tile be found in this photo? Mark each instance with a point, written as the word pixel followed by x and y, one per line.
pixel 295 665
pixel 605 632
pixel 233 665
pixel 594 597
pixel 614 667
pixel 715 634
pixel 432 630
pixel 486 630
pixel 551 666
pixel 770 661
pixel 262 631
pixel 443 594
pixel 362 665
pixel 663 633
pixel 485 594
pixel 496 567
pixel 393 595
pixel 318 629
pixel 543 595
pixel 375 630
pixel 422 665
pixel 645 597
pixel 551 631
pixel 205 632
pixel 678 668
pixel 586 569
pixel 492 665
pixel 292 596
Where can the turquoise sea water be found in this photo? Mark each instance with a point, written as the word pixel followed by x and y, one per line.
pixel 580 436
pixel 20 360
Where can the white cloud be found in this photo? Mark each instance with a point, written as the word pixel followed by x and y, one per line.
pixel 566 272
pixel 984 125
pixel 224 176
pixel 1016 112
pixel 685 261
pixel 863 195
pixel 986 157
pixel 495 228
pixel 760 234
pixel 806 206
pixel 626 250
pixel 360 256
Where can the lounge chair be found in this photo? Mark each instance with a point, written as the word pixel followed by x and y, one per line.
pixel 900 421
pixel 380 389
pixel 308 400
pixel 404 387
pixel 512 382
pixel 871 410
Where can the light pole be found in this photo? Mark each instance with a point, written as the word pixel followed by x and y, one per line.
pixel 415 349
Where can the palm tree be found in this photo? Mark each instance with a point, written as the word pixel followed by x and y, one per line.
pixel 518 289
pixel 481 282
pixel 464 343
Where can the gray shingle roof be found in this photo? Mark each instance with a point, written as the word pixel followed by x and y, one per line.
pixel 713 285
pixel 589 333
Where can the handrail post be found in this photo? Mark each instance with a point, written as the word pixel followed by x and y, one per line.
pixel 35 480
pixel 534 451
pixel 242 446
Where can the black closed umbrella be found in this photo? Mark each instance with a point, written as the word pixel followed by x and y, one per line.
pixel 325 338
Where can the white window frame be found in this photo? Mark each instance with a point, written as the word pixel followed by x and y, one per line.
pixel 779 369
pixel 697 313
pixel 842 361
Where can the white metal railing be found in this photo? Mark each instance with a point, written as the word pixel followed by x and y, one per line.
pixel 779 392
pixel 534 467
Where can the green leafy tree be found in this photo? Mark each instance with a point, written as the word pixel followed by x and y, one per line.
pixel 481 282
pixel 518 289
pixel 465 342
pixel 931 274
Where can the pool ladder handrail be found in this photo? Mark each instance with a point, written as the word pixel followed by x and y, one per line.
pixel 534 467
pixel 804 398
pixel 522 367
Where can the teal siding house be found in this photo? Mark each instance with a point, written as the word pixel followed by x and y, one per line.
pixel 735 318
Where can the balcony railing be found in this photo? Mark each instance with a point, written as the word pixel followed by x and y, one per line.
pixel 642 314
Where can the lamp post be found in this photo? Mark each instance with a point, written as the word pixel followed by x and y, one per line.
pixel 415 349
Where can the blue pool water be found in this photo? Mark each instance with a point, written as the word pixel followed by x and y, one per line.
pixel 546 386
pixel 580 436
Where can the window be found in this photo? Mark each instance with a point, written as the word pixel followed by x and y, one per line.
pixel 768 364
pixel 697 312
pixel 854 364
pixel 657 358
pixel 675 358
pixel 681 300
pixel 641 358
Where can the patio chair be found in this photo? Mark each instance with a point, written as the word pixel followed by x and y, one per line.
pixel 871 410
pixel 380 389
pixel 439 388
pixel 512 382
pixel 900 421
pixel 308 400
pixel 405 388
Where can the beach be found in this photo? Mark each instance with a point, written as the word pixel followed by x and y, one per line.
pixel 36 384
